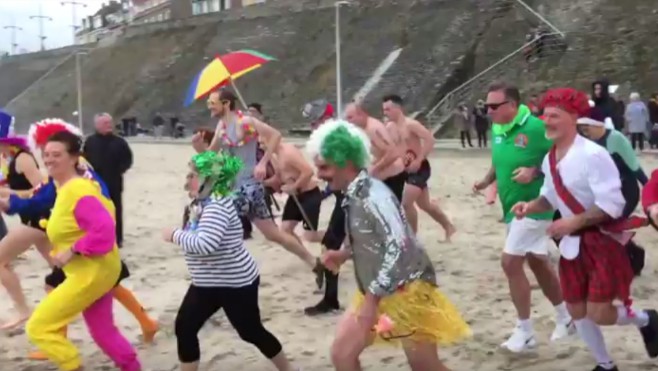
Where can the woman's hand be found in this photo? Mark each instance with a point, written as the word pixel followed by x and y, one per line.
pixel 168 234
pixel 62 258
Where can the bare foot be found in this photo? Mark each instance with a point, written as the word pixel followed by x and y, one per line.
pixel 450 231
pixel 37 355
pixel 148 332
pixel 16 322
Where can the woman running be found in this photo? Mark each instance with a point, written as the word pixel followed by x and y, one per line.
pixel 224 275
pixel 81 229
pixel 22 177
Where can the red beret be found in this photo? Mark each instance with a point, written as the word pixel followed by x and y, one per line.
pixel 569 99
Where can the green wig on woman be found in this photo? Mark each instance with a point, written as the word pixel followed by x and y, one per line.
pixel 339 142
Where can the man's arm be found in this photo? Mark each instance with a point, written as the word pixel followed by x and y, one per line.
pixel 539 205
pixel 126 157
pixel 272 135
pixel 605 183
pixel 427 140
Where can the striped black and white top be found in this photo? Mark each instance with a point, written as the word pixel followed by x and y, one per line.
pixel 214 248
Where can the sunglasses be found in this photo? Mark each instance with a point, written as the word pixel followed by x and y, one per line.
pixel 495 106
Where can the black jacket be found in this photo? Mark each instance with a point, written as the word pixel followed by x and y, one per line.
pixel 608 105
pixel 111 157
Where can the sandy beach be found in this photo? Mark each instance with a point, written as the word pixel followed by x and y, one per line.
pixel 468 268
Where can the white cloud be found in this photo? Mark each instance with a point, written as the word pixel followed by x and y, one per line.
pixel 58 31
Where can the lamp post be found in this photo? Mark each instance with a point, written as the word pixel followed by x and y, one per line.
pixel 78 80
pixel 74 4
pixel 339 87
pixel 41 18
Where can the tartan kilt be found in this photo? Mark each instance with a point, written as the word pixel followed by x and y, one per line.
pixel 600 273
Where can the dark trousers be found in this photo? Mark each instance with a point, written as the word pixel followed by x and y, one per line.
pixel 637 138
pixel 466 135
pixel 482 138
pixel 333 240
pixel 118 214
pixel 241 308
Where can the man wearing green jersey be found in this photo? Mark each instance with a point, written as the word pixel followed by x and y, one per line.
pixel 518 149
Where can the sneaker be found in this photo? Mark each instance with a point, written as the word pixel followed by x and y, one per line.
pixel 650 334
pixel 321 308
pixel 563 330
pixel 601 368
pixel 520 341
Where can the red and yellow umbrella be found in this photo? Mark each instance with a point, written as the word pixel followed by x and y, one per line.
pixel 224 69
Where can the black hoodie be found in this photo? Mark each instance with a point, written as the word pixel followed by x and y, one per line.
pixel 608 105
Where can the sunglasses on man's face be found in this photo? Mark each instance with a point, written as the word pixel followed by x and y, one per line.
pixel 494 106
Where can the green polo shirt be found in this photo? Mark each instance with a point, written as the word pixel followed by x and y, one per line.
pixel 521 143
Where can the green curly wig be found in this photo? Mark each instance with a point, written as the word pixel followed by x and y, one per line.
pixel 340 143
pixel 219 169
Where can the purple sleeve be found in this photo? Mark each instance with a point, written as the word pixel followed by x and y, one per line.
pixel 93 218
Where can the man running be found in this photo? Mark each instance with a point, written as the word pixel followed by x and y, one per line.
pixel 388 165
pixel 417 142
pixel 518 147
pixel 296 178
pixel 582 181
pixel 238 134
pixel 395 277
pixel 318 112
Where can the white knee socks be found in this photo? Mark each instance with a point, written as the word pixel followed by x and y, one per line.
pixel 640 318
pixel 592 336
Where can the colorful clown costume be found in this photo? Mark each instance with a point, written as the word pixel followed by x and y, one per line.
pixel 82 219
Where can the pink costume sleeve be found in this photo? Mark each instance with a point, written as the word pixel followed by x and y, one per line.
pixel 93 218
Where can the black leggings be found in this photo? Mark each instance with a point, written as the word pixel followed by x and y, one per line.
pixel 637 138
pixel 241 308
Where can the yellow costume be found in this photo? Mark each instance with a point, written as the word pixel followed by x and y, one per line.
pixel 420 313
pixel 82 220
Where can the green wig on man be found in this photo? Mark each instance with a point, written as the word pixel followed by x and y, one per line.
pixel 339 142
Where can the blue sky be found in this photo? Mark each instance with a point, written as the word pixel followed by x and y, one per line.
pixel 58 31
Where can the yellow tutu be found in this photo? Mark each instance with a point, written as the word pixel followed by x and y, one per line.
pixel 420 313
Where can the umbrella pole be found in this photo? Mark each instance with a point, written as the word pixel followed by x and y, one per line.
pixel 237 92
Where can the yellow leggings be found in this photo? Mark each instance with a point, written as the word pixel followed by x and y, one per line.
pixel 86 291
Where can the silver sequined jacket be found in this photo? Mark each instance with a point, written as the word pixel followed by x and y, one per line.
pixel 385 251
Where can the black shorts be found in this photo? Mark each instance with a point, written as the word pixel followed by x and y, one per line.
pixel 396 184
pixel 335 234
pixel 31 221
pixel 422 176
pixel 57 276
pixel 310 201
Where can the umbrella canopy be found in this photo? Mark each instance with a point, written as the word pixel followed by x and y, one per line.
pixel 221 70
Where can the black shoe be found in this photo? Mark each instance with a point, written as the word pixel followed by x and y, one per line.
pixel 601 368
pixel 650 334
pixel 321 308
pixel 319 273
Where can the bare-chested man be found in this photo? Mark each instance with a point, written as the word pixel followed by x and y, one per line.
pixel 295 176
pixel 238 134
pixel 417 142
pixel 388 165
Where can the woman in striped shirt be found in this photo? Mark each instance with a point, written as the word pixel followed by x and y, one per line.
pixel 224 275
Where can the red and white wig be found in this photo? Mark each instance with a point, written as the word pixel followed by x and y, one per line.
pixel 39 132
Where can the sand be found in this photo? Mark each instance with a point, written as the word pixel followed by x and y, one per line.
pixel 469 273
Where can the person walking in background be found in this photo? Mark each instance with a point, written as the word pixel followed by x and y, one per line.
pixel 481 123
pixel 463 122
pixel 158 125
pixel 652 106
pixel 534 106
pixel 608 105
pixel 637 119
pixel 111 157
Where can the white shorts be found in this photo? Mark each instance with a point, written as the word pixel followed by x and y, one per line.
pixel 527 236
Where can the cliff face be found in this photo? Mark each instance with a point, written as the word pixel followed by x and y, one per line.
pixel 443 44
pixel 144 74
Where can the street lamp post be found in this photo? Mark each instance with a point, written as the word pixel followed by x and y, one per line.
pixel 339 87
pixel 78 80
pixel 13 29
pixel 74 4
pixel 41 18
